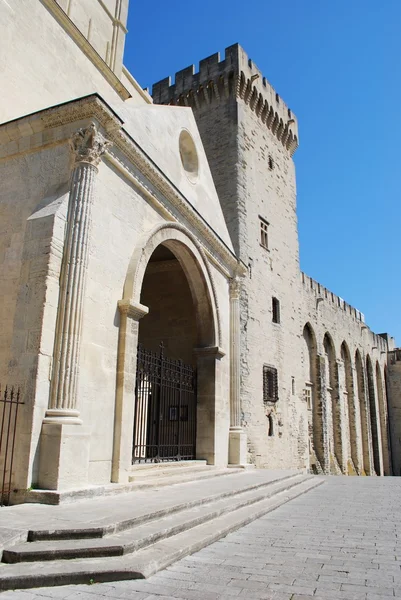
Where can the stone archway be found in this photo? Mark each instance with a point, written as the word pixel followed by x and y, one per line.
pixel 333 401
pixel 313 401
pixel 383 419
pixel 363 410
pixel 374 421
pixel 352 413
pixel 171 242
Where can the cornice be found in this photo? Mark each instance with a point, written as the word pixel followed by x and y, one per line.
pixel 86 47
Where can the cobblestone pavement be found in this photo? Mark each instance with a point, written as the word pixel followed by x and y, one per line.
pixel 342 540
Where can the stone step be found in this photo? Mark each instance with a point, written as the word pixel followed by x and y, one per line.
pixel 145 562
pixel 181 475
pixel 145 534
pixel 140 475
pixel 178 464
pixel 239 484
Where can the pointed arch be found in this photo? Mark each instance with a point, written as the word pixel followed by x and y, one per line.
pixel 374 422
pixel 383 419
pixel 313 399
pixel 350 404
pixel 360 378
pixel 333 399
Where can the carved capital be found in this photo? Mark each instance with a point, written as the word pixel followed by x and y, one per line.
pixel 235 288
pixel 88 145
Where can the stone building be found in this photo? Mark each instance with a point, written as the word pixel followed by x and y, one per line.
pixel 152 303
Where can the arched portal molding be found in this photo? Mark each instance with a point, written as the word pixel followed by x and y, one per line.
pixel 193 261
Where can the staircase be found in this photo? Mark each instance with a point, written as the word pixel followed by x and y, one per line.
pixel 138 539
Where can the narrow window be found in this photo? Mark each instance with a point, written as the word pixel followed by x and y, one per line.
pixel 271 163
pixel 293 386
pixel 264 233
pixel 270 384
pixel 270 427
pixel 308 396
pixel 276 310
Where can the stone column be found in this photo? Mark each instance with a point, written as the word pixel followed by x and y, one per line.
pixel 130 315
pixel 65 451
pixel 237 440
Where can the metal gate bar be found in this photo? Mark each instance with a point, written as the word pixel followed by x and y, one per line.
pixel 165 408
pixel 10 401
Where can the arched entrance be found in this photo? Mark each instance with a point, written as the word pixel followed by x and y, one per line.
pixel 165 390
pixel 350 404
pixel 336 450
pixel 374 424
pixel 169 309
pixel 381 396
pixel 360 378
pixel 313 401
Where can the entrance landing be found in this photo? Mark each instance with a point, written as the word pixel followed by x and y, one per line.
pixel 135 535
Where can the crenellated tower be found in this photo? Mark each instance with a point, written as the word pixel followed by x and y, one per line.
pixel 250 135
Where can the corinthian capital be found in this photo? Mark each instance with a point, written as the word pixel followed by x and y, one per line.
pixel 88 145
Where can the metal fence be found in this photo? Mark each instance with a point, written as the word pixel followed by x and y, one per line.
pixel 10 401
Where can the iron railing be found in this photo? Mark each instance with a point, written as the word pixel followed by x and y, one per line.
pixel 10 401
pixel 165 408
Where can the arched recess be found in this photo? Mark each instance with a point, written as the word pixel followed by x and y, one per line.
pixel 194 263
pixel 332 396
pixel 350 403
pixel 381 391
pixel 374 422
pixel 172 241
pixel 313 400
pixel 363 412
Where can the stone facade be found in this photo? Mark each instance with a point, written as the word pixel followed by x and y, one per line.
pixel 125 222
pixel 325 419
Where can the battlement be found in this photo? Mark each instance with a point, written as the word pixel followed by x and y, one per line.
pixel 237 76
pixel 323 293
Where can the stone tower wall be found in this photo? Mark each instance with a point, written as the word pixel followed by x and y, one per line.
pixel 250 135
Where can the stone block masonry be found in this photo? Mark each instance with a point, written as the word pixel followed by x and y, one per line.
pixel 330 412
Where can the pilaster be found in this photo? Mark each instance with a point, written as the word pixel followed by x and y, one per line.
pixel 237 454
pixel 130 315
pixel 59 441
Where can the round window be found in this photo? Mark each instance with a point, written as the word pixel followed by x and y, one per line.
pixel 189 155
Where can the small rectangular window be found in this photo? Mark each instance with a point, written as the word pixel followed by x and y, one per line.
pixel 264 233
pixel 308 396
pixel 270 384
pixel 275 310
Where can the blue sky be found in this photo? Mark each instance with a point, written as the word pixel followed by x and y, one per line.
pixel 336 63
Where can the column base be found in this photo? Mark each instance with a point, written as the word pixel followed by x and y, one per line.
pixel 237 448
pixel 63 416
pixel 64 456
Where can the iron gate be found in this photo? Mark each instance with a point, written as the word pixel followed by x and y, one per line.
pixel 165 408
pixel 10 401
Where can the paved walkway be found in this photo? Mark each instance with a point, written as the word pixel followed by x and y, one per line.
pixel 340 541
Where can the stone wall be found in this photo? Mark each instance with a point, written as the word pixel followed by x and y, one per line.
pixel 393 379
pixel 352 401
pixel 103 24
pixel 249 135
